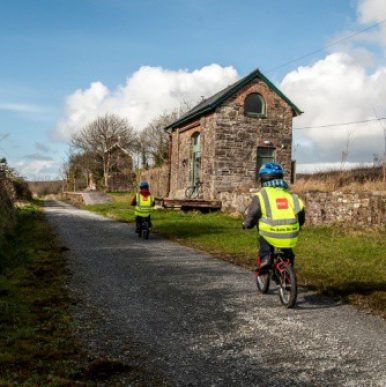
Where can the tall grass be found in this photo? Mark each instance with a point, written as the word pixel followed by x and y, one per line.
pixel 357 180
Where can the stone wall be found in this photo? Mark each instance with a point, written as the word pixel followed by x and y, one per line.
pixel 158 179
pixel 181 157
pixel 356 208
pixel 238 136
pixel 75 198
pixel 229 142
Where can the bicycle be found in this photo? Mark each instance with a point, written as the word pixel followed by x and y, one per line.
pixel 144 230
pixel 281 271
pixel 194 191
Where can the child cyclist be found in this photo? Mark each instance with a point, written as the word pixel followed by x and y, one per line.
pixel 143 202
pixel 277 213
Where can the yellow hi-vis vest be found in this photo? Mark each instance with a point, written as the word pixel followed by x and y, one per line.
pixel 143 206
pixel 279 224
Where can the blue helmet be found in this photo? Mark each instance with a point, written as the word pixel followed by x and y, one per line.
pixel 143 185
pixel 270 171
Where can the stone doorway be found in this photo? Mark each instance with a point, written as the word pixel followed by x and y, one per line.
pixel 196 159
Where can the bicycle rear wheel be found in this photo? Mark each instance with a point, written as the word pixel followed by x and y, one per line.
pixel 288 290
pixel 195 193
pixel 145 229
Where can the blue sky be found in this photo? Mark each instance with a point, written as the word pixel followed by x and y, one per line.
pixel 49 49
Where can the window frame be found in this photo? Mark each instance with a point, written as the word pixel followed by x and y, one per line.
pixel 262 159
pixel 263 112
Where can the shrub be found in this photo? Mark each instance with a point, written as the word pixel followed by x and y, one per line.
pixel 22 190
pixel 7 214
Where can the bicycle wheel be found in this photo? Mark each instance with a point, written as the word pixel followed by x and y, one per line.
pixel 189 192
pixel 145 229
pixel 140 231
pixel 288 290
pixel 262 282
pixel 195 193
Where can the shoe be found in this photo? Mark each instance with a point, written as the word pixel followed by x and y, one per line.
pixel 264 264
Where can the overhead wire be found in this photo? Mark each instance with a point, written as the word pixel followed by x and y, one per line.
pixel 333 43
pixel 350 36
pixel 341 124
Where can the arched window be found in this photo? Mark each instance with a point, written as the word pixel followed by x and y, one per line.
pixel 254 105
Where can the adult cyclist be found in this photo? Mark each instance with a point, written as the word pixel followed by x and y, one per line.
pixel 143 202
pixel 277 213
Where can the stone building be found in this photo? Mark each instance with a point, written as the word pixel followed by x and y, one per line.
pixel 225 139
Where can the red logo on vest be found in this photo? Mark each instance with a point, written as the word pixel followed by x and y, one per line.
pixel 282 204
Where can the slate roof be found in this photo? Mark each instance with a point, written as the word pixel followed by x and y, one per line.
pixel 217 99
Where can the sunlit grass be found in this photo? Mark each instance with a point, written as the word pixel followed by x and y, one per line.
pixel 36 341
pixel 336 260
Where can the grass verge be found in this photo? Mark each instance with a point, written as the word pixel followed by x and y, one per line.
pixel 36 342
pixel 339 261
pixel 38 345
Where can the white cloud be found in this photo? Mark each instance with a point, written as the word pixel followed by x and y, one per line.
pixel 322 167
pixel 336 90
pixel 21 107
pixel 38 156
pixel 42 147
pixel 149 92
pixel 37 169
pixel 348 85
pixel 370 11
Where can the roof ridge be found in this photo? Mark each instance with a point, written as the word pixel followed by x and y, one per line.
pixel 216 99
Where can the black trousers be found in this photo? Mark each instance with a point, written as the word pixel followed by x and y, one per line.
pixel 266 250
pixel 138 221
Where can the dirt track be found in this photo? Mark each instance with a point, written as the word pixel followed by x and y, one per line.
pixel 198 321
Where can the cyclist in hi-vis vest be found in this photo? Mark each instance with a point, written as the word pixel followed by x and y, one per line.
pixel 143 202
pixel 277 213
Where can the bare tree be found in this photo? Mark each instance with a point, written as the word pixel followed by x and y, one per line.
pixel 154 142
pixel 100 139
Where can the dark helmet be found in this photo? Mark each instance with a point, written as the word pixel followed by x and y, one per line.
pixel 143 185
pixel 270 171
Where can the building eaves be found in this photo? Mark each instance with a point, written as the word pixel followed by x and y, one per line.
pixel 215 100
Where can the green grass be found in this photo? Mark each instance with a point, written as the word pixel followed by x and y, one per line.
pixel 36 342
pixel 337 260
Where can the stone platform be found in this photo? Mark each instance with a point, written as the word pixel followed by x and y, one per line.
pixel 192 204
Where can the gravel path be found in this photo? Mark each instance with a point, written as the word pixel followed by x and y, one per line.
pixel 199 321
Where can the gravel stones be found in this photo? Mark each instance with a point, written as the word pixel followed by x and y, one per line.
pixel 195 320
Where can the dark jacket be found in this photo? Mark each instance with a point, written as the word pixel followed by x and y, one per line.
pixel 254 214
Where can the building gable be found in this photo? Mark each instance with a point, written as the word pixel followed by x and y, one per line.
pixel 217 99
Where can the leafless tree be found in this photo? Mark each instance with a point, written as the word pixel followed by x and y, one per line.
pixel 154 142
pixel 99 141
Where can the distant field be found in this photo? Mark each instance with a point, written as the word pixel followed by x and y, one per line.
pixel 42 188
pixel 338 261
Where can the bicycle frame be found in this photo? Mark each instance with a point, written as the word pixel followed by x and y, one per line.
pixel 280 270
pixel 277 261
pixel 281 263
